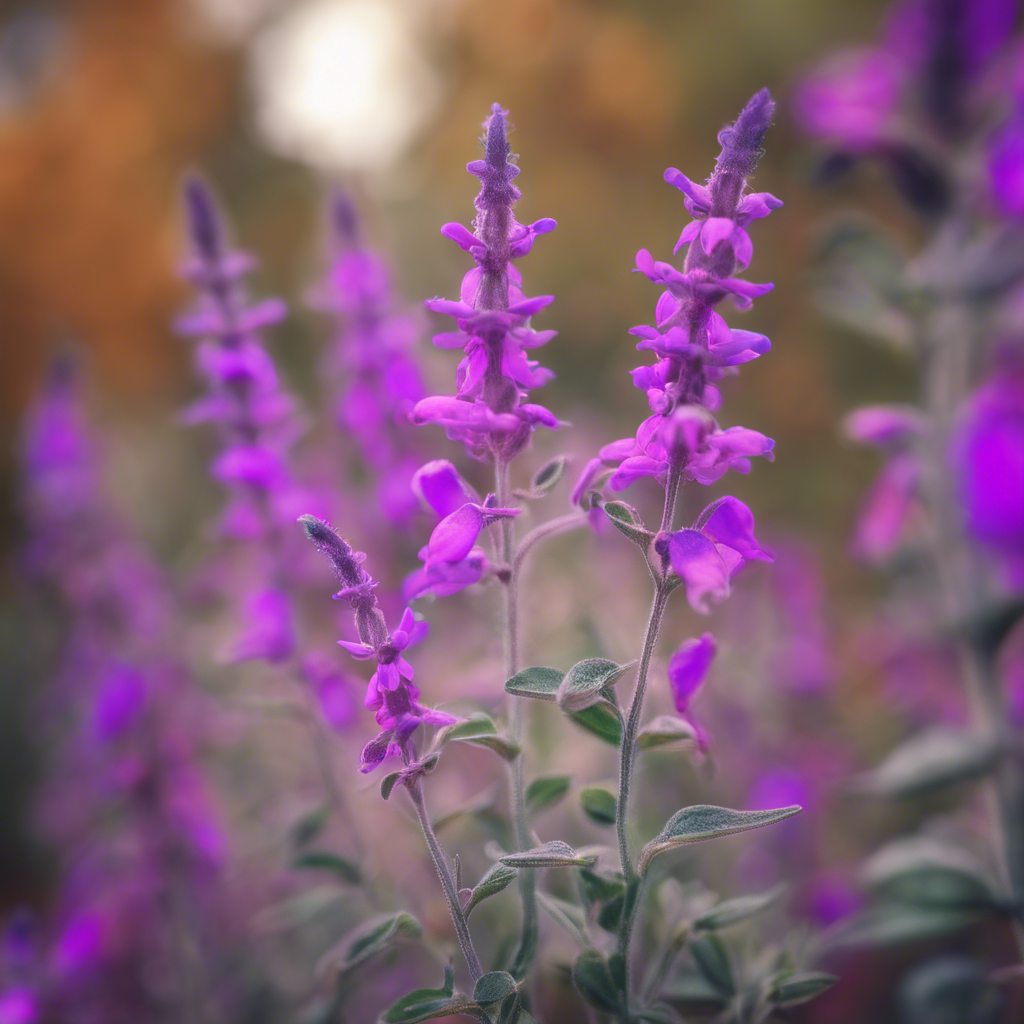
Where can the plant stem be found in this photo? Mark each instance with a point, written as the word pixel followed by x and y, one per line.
pixel 628 750
pixel 517 785
pixel 444 873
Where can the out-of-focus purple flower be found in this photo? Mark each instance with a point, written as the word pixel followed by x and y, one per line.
pixel 333 691
pixel 694 344
pixel 378 382
pixel 19 1005
pixel 988 457
pixel 891 500
pixel 269 633
pixel 712 551
pixel 487 413
pixel 390 690
pixel 120 700
pixel 1006 164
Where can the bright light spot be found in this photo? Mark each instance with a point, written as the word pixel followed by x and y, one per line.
pixel 342 84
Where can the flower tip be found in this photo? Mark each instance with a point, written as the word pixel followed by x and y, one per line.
pixel 496 145
pixel 201 217
pixel 345 218
pixel 316 529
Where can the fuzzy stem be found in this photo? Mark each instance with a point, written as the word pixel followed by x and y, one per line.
pixel 628 749
pixel 520 825
pixel 444 873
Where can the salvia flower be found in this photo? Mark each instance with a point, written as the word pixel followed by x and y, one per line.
pixel 707 555
pixel 390 690
pixel 890 503
pixel 694 344
pixel 378 381
pixel 493 316
pixel 687 670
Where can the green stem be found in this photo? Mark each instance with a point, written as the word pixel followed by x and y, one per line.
pixel 628 748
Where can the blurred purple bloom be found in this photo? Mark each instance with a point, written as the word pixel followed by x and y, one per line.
pixel 19 1006
pixel 120 700
pixel 1006 164
pixel 333 691
pixel 269 633
pixel 487 413
pixel 988 456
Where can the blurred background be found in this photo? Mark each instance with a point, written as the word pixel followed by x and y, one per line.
pixel 106 104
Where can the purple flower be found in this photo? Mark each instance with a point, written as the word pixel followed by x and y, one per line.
pixel 439 485
pixel 269 633
pixel 487 413
pixel 19 1005
pixel 706 556
pixel 376 378
pixel 1006 164
pixel 687 669
pixel 988 457
pixel 119 702
pixel 333 690
pixel 693 343
pixel 891 500
pixel 390 690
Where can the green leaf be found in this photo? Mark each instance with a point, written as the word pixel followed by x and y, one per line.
pixel 309 825
pixel 950 990
pixel 702 822
pixel 896 924
pixel 593 979
pixel 501 745
pixel 412 1006
pixel 555 854
pixel 937 757
pixel 609 916
pixel 930 873
pixel 603 719
pixel 477 724
pixel 546 478
pixel 537 682
pixel 588 681
pixel 989 628
pixel 627 521
pixel 596 887
pixel 366 941
pixel 496 879
pixel 666 731
pixel 739 909
pixel 712 959
pixel 693 991
pixel 793 989
pixel 343 869
pixel 566 914
pixel 477 806
pixel 493 987
pixel 299 909
pixel 388 783
pixel 598 805
pixel 546 791
pixel 434 1008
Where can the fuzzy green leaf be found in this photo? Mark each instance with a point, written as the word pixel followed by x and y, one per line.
pixel 712 959
pixel 595 983
pixel 341 868
pixel 666 732
pixel 538 682
pixel 794 989
pixel 589 681
pixel 568 915
pixel 496 879
pixel 598 805
pixel 739 909
pixel 546 791
pixel 702 822
pixel 555 854
pixel 603 719
pixel 627 521
pixel 366 941
pixel 493 987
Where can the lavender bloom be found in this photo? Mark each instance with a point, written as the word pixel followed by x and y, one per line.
pixel 390 689
pixel 694 344
pixel 378 381
pixel 891 501
pixel 988 457
pixel 258 421
pixel 706 556
pixel 488 413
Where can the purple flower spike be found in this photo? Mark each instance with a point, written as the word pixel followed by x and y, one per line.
pixel 706 556
pixel 694 345
pixel 493 317
pixel 390 689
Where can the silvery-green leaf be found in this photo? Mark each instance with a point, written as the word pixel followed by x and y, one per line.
pixel 546 791
pixel 793 989
pixel 501 745
pixel 341 868
pixel 538 682
pixel 603 719
pixel 693 992
pixel 950 990
pixel 896 924
pixel 598 805
pixel 309 825
pixel 568 915
pixel 702 822
pixel 609 916
pixel 589 681
pixel 477 724
pixel 666 731
pixel 555 854
pixel 938 757
pixel 546 478
pixel 740 908
pixel 366 941
pixel 713 961
pixel 627 521
pixel 412 1007
pixel 595 983
pixel 599 887
pixel 931 873
pixel 496 879
pixel 431 1009
pixel 493 987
